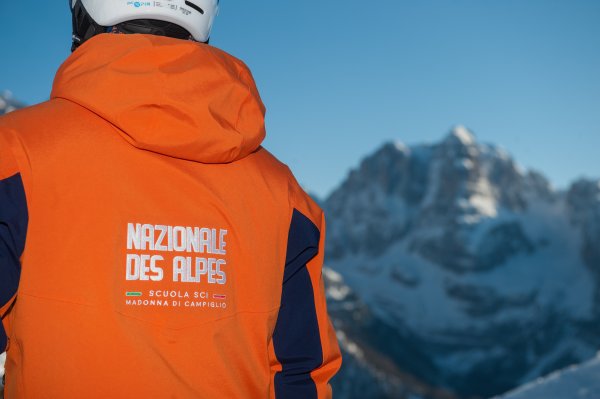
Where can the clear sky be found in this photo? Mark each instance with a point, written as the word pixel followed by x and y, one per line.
pixel 340 78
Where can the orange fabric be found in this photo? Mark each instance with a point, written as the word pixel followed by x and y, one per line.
pixel 145 181
pixel 8 166
pixel 177 98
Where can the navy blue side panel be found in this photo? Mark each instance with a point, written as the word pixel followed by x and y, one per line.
pixel 13 230
pixel 296 338
pixel 303 244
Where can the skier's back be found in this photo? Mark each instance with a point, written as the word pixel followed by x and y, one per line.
pixel 159 251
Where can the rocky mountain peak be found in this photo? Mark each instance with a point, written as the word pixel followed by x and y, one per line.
pixel 455 182
pixel 460 135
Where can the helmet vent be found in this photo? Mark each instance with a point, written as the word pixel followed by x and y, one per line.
pixel 194 6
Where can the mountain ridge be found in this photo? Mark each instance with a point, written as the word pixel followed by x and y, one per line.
pixel 469 257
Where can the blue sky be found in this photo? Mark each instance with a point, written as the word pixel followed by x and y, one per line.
pixel 340 78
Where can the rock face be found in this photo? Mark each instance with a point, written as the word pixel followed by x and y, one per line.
pixel 476 275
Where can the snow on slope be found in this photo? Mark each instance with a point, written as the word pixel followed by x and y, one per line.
pixel 575 382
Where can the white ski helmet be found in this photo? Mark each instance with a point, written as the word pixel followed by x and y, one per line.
pixel 194 16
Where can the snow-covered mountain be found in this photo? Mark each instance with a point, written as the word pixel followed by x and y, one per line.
pixel 8 103
pixel 476 274
pixel 575 382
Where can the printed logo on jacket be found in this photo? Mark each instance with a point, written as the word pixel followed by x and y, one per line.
pixel 175 267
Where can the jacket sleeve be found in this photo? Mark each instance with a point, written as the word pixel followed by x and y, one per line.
pixel 13 226
pixel 304 340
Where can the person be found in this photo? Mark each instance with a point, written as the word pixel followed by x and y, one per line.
pixel 150 247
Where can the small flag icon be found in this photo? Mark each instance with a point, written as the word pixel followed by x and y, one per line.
pixel 219 296
pixel 133 294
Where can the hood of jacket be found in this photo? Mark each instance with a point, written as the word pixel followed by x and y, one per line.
pixel 174 97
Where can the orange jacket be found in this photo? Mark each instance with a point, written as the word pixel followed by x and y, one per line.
pixel 159 250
